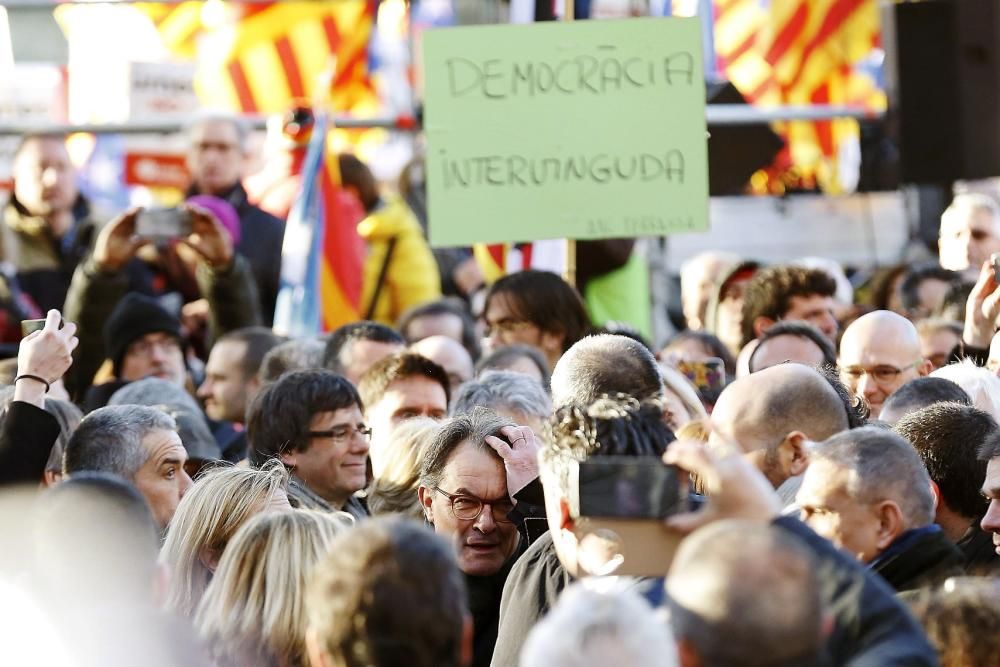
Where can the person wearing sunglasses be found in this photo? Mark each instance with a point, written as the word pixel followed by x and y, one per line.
pixel 879 353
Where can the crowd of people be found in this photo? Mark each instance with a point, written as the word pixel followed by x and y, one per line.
pixel 183 486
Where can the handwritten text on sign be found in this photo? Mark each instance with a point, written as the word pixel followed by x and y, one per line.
pixel 585 130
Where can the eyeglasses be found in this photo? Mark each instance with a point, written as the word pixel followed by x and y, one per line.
pixel 882 374
pixel 341 434
pixel 468 508
pixel 144 347
pixel 505 327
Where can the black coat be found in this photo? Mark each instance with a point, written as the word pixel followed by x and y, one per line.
pixel 27 434
pixel 261 237
pixel 980 553
pixel 926 561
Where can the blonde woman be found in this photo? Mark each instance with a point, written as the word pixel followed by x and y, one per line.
pixel 252 614
pixel 395 489
pixel 221 501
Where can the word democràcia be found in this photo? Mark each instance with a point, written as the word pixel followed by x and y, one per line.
pixel 498 79
pixel 601 168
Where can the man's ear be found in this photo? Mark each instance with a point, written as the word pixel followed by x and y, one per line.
pixel 552 341
pixel 761 324
pixel 253 385
pixel 925 368
pixel 936 492
pixel 426 497
pixel 793 454
pixel 289 458
pixel 891 524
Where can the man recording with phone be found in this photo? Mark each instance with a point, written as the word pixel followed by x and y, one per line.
pixel 101 283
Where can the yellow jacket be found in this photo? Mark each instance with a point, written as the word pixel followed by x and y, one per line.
pixel 412 277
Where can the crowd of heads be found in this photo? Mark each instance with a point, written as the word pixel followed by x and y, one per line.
pixel 427 489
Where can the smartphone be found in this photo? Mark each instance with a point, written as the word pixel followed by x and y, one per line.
pixel 618 509
pixel 31 326
pixel 628 487
pixel 707 375
pixel 163 224
pixel 995 260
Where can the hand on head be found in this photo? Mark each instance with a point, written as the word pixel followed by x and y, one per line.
pixel 520 456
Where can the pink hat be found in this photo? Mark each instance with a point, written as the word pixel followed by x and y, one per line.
pixel 222 210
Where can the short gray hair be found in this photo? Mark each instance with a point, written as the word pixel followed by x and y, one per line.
pixel 505 390
pixel 473 427
pixel 110 439
pixel 883 466
pixel 153 391
pixel 590 627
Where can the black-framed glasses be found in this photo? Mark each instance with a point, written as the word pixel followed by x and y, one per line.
pixel 341 434
pixel 468 508
pixel 882 374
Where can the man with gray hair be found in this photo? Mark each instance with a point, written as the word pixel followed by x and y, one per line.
pixel 300 354
pixel 515 396
pixel 139 444
pixel 867 491
pixel 216 159
pixel 969 233
pixel 745 593
pixel 467 480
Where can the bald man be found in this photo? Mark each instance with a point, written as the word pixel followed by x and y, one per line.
pixel 879 353
pixel 450 355
pixel 773 413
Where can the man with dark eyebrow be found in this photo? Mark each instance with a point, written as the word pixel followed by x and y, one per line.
pixel 139 444
pixel 990 452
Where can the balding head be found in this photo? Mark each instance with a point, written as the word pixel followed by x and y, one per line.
pixel 605 365
pixel 773 413
pixel 879 353
pixel 450 355
pixel 744 593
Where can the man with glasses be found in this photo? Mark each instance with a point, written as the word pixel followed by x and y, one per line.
pixel 312 421
pixel 469 475
pixel 969 233
pixel 879 353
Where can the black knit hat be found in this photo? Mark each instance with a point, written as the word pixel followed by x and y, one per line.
pixel 134 317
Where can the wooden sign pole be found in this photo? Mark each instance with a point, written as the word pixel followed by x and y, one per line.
pixel 569 273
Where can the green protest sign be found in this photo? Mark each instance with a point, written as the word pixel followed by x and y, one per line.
pixel 591 129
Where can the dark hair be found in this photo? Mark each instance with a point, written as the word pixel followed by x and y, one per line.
pixel 352 332
pixel 909 289
pixel 545 300
pixel 446 306
pixel 278 419
pixel 258 342
pixel 109 440
pixel 710 342
pixel 473 427
pixel 953 307
pixel 856 407
pixel 610 426
pixel 769 293
pixel 389 593
pixel 801 330
pixel 882 284
pixel 505 358
pixel 947 435
pixel 355 173
pixel 377 379
pixel 922 392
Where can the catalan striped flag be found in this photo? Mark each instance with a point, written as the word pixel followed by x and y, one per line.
pixel 257 58
pixel 802 52
pixel 321 259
